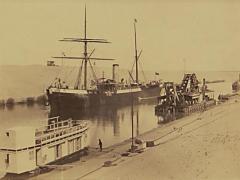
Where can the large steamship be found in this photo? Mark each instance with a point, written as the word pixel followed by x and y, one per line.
pixel 102 91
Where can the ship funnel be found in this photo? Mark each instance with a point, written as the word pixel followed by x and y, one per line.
pixel 114 72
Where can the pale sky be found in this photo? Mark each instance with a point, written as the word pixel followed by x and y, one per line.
pixel 206 34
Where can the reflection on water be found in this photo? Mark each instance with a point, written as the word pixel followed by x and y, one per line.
pixel 21 115
pixel 111 124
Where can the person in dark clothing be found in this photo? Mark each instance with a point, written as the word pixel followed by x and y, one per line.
pixel 100 144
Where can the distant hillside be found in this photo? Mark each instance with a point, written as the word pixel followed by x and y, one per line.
pixel 24 81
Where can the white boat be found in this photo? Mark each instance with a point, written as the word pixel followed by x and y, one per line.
pixel 24 149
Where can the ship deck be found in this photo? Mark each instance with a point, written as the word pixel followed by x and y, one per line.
pixel 59 130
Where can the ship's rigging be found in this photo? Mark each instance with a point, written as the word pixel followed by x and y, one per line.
pixel 102 91
pixel 136 62
pixel 86 56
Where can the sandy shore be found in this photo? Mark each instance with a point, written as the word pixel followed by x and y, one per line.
pixel 202 146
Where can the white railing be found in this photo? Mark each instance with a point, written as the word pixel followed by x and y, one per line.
pixel 60 132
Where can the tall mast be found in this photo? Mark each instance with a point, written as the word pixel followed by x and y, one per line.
pixel 85 51
pixel 86 58
pixel 136 53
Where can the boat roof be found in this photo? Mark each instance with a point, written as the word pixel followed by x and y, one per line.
pixel 21 128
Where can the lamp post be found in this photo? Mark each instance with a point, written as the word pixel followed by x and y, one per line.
pixel 132 146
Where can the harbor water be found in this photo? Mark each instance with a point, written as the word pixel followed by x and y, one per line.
pixel 111 125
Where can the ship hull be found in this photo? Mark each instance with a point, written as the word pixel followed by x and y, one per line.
pixel 60 101
pixel 168 113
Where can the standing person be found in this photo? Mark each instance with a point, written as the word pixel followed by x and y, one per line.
pixel 100 144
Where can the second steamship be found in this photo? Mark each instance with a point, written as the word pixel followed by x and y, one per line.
pixel 102 91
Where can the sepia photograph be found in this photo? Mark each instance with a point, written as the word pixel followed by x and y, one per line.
pixel 119 90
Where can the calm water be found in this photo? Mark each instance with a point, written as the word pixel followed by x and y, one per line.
pixel 112 125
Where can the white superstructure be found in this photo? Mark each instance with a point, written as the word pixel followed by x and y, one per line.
pixel 23 149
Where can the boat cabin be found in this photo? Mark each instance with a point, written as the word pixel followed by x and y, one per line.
pixel 24 149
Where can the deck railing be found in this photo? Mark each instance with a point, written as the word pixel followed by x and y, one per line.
pixel 58 129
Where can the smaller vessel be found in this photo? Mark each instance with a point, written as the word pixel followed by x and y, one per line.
pixel 25 149
pixel 183 99
pixel 236 85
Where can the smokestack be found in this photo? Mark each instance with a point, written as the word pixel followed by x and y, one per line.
pixel 114 74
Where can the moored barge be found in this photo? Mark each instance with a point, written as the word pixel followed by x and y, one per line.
pixel 183 99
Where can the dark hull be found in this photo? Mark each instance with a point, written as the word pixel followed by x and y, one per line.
pixel 63 101
pixel 166 113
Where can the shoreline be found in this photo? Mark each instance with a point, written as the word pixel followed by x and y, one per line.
pixel 163 134
pixel 30 100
